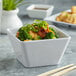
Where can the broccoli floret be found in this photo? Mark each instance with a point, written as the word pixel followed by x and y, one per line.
pixel 56 35
pixel 50 35
pixel 23 34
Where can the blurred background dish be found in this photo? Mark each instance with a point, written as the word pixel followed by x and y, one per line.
pixel 52 19
pixel 67 17
pixel 39 10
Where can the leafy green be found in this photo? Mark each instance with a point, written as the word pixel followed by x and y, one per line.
pixel 40 24
pixel 23 34
pixel 11 4
pixel 37 38
pixel 30 27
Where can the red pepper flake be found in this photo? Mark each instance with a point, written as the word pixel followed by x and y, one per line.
pixel 17 35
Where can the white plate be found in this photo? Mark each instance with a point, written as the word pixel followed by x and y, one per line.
pixel 53 20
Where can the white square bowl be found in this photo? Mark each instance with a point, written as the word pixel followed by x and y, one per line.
pixel 39 52
pixel 35 13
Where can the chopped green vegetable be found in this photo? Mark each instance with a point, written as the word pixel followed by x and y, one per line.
pixel 50 35
pixel 36 31
pixel 40 24
pixel 57 36
pixel 23 34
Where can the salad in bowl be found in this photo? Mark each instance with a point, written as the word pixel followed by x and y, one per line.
pixel 38 44
pixel 38 30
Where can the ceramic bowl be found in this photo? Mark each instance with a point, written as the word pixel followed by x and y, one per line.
pixel 39 52
pixel 39 10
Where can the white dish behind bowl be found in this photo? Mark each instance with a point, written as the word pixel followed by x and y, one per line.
pixel 34 13
pixel 53 20
pixel 39 52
